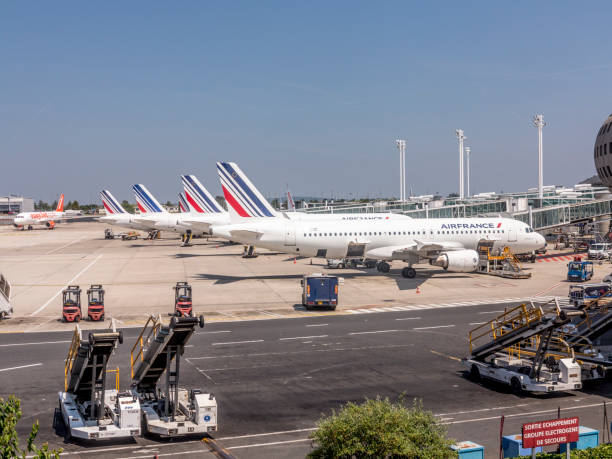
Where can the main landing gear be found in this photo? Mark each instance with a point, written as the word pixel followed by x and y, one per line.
pixel 383 267
pixel 409 272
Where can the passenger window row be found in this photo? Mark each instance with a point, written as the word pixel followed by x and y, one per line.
pixel 402 233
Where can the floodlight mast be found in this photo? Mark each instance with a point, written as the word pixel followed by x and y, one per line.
pixel 467 167
pixel 461 138
pixel 401 145
pixel 538 121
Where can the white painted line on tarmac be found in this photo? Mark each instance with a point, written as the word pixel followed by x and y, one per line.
pixel 197 451
pixel 267 434
pixel 212 332
pixel 64 246
pixel 317 325
pixel 67 283
pixel 435 326
pixel 239 342
pixel 532 413
pixel 484 409
pixel 256 445
pixel 490 312
pixel 408 318
pixel 304 337
pixel 22 366
pixel 477 323
pixel 34 344
pixel 372 332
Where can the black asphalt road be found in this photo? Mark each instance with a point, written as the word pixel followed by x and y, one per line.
pixel 274 378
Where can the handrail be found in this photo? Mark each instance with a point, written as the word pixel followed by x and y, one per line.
pixel 116 371
pixel 72 353
pixel 142 341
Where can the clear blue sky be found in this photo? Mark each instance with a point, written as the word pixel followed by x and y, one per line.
pixel 313 94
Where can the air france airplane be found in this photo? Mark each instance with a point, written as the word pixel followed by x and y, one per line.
pixel 448 243
pixel 117 215
pixel 27 219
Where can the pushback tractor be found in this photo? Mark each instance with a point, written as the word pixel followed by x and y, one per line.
pixel 91 411
pixel 168 409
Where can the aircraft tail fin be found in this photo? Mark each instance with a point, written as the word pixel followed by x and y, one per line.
pixel 146 201
pixel 290 203
pixel 111 205
pixel 60 204
pixel 198 197
pixel 244 200
pixel 183 204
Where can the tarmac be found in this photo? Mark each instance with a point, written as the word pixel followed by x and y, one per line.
pixel 274 367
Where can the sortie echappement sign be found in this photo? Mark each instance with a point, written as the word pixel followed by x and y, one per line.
pixel 551 432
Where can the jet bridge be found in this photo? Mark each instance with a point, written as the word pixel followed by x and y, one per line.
pixel 89 409
pixel 169 410
pixel 491 346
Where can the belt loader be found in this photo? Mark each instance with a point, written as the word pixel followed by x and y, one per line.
pixel 168 409
pixel 91 411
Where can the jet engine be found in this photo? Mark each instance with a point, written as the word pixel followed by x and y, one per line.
pixel 460 261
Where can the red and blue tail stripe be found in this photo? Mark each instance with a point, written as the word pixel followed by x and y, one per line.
pixel 146 201
pixel 198 197
pixel 183 203
pixel 241 194
pixel 111 205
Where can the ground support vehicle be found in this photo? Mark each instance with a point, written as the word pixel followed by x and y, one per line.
pixel 89 410
pixel 599 251
pixel 183 304
pixel 320 290
pixel 169 410
pixel 341 263
pixel 580 293
pixel 154 234
pixel 129 236
pixel 71 304
pixel 186 238
pixel 5 298
pixel 497 353
pixel 249 252
pixel 502 263
pixel 108 234
pixel 579 271
pixel 95 302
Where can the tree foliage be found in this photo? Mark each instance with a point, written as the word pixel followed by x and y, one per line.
pixel 10 413
pixel 603 451
pixel 379 428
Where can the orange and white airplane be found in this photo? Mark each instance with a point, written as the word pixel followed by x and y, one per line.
pixel 27 219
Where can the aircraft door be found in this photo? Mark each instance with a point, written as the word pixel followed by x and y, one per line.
pixel 289 235
pixel 511 235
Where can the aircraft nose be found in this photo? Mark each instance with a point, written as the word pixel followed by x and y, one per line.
pixel 541 242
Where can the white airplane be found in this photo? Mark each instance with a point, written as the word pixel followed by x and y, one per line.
pixel 449 243
pixel 153 213
pixel 117 215
pixel 204 210
pixel 28 219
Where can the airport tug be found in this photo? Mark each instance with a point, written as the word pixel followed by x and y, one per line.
pixel 167 409
pixel 183 306
pixel 71 304
pixel 95 303
pixel 91 411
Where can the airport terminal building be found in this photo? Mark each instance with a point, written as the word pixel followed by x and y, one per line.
pixel 15 204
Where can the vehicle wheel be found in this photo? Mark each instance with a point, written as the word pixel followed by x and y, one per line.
pixel 120 337
pixel 102 317
pixel 370 264
pixel 409 272
pixel 201 321
pixel 333 308
pixel 384 267
pixel 78 319
pixel 475 373
pixel 63 320
pixel 515 385
pixel 340 265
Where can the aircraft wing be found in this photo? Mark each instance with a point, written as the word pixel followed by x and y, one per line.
pixel 413 249
pixel 246 234
pixel 196 224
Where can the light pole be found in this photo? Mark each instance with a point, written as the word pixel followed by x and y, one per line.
pixel 401 145
pixel 538 121
pixel 461 138
pixel 467 166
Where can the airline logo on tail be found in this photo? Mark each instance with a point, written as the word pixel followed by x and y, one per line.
pixel 145 200
pixel 198 197
pixel 241 194
pixel 60 204
pixel 183 203
pixel 111 205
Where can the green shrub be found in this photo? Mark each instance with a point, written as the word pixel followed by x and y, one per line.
pixel 10 413
pixel 381 429
pixel 600 452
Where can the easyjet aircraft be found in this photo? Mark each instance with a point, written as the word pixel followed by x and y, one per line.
pixel 49 218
